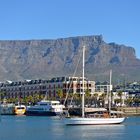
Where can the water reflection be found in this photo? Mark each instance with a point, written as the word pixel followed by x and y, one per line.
pixel 97 131
pixel 44 128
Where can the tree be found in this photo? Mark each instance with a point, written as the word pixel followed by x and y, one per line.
pixel 129 101
pixel 102 99
pixel 117 101
pixel 136 101
pixel 112 99
pixel 76 98
pixel 41 97
pixel 2 94
pixel 36 98
pixel 30 99
pixel 60 94
pixel 95 99
pixel 120 96
pixel 87 96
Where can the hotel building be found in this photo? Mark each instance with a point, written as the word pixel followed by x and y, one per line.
pixel 70 85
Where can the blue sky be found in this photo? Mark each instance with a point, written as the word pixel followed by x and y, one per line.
pixel 117 20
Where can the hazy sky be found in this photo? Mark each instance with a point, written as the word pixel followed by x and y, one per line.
pixel 117 20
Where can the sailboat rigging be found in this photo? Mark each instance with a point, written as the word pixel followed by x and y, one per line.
pixel 93 119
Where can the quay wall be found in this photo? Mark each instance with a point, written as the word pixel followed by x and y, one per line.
pixel 129 111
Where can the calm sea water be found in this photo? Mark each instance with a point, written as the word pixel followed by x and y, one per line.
pixel 52 128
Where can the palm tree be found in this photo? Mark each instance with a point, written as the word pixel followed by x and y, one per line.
pixel 117 101
pixel 136 101
pixel 41 97
pixel 95 99
pixel 76 98
pixel 25 100
pixel 30 99
pixel 120 96
pixel 60 94
pixel 129 101
pixel 112 99
pixel 2 94
pixel 36 98
pixel 87 95
pixel 102 98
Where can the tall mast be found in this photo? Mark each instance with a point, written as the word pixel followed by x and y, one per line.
pixel 110 89
pixel 83 92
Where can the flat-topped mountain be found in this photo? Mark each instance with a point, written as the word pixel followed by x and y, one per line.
pixel 43 59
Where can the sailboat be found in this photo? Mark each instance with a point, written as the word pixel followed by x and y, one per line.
pixel 92 119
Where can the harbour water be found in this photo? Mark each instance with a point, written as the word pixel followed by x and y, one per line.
pixel 52 128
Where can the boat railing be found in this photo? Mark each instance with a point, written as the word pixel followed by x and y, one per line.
pixel 103 115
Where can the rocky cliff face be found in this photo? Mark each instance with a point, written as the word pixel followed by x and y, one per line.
pixel 35 59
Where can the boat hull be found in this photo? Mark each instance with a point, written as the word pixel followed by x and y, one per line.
pixel 45 108
pixel 39 113
pixel 93 121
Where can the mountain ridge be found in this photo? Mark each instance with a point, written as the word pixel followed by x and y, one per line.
pixel 46 58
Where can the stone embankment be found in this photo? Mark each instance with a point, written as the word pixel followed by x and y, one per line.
pixel 130 111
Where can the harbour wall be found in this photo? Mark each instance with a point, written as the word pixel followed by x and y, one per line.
pixel 129 111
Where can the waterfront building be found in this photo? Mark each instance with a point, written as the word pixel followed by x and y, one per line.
pixel 103 87
pixel 131 88
pixel 15 89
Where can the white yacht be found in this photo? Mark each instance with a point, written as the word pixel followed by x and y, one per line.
pixel 93 119
pixel 45 108
pixel 115 117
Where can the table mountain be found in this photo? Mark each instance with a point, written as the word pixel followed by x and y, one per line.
pixel 43 59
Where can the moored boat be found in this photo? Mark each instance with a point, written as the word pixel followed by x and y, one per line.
pixel 97 118
pixel 45 108
pixel 20 109
pixel 7 109
pixel 93 119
